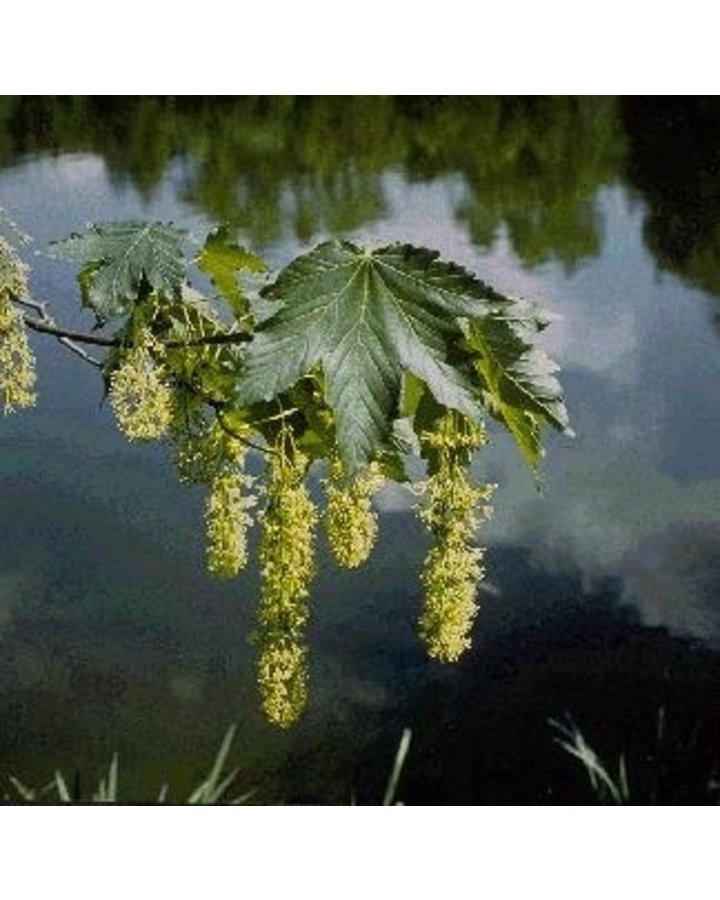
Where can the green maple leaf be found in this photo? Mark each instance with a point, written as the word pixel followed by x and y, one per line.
pixel 120 258
pixel 367 318
pixel 222 259
pixel 519 384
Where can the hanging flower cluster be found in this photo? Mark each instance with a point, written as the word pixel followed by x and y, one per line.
pixel 455 509
pixel 350 522
pixel 228 518
pixel 140 396
pixel 17 361
pixel 287 560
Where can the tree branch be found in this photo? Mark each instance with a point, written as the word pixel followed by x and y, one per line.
pixel 48 327
pixel 45 324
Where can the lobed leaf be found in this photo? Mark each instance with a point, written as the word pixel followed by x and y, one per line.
pixel 119 258
pixel 367 318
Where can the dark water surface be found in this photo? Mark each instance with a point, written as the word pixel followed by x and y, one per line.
pixel 603 593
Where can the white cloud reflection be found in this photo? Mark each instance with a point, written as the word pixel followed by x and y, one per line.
pixel 628 343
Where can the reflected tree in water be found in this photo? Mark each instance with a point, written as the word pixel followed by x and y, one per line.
pixel 317 165
pixel 674 164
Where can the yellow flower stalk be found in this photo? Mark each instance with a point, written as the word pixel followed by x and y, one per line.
pixel 350 522
pixel 139 395
pixel 283 679
pixel 287 560
pixel 227 519
pixel 13 273
pixel 453 566
pixel 450 575
pixel 17 361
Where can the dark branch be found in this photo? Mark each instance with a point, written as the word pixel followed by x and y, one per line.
pixel 46 325
pixel 46 321
pixel 98 340
pixel 50 328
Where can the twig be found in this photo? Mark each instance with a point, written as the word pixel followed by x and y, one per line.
pixel 46 324
pixel 98 340
pixel 78 351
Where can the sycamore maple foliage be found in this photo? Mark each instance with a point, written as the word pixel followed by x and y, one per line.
pixel 359 358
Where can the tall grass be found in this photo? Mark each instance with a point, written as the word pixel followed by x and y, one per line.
pixel 608 788
pixel 672 771
pixel 214 789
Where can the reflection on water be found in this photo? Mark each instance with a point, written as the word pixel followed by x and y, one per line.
pixel 681 184
pixel 312 165
pixel 112 637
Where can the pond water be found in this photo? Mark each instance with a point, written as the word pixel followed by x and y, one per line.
pixel 603 592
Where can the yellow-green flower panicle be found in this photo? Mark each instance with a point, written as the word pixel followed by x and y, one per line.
pixel 287 553
pixel 287 559
pixel 283 679
pixel 139 394
pixel 350 522
pixel 13 273
pixel 450 575
pixel 17 361
pixel 453 566
pixel 227 518
pixel 202 451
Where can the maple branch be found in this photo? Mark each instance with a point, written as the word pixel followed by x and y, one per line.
pixel 45 324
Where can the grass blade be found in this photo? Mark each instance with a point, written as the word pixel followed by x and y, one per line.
pixel 602 783
pixel 29 795
pixel 243 798
pixel 208 789
pixel 112 791
pixel 62 788
pixel 400 756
